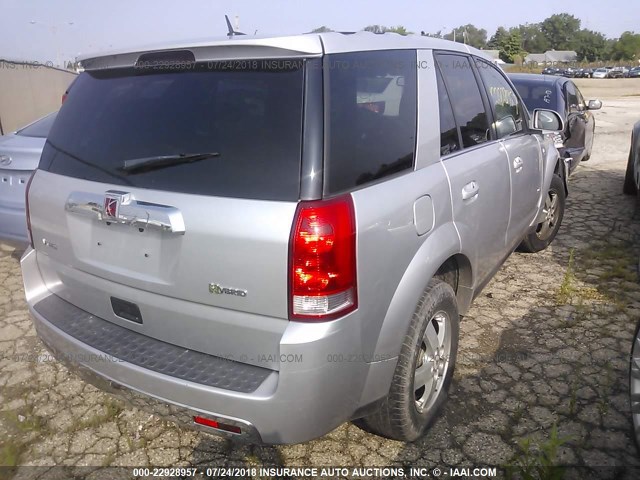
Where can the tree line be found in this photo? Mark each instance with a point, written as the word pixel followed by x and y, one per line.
pixel 558 32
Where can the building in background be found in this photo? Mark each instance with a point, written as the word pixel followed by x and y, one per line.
pixel 551 57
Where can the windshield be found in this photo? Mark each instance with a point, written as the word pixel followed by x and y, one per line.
pixel 252 117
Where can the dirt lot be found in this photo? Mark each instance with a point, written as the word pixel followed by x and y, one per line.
pixel 542 368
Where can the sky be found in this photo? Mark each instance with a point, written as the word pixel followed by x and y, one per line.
pixel 57 31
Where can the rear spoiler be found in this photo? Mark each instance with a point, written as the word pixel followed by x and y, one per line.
pixel 234 48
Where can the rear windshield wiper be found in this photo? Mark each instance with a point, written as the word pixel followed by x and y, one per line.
pixel 138 165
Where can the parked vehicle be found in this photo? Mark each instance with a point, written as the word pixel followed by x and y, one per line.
pixel 617 72
pixel 632 174
pixel 584 73
pixel 553 71
pixel 264 252
pixel 19 156
pixel 634 72
pixel 600 73
pixel 563 96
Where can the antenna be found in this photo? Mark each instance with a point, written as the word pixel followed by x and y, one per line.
pixel 232 32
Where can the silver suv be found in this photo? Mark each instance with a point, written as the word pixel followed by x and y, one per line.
pixel 248 236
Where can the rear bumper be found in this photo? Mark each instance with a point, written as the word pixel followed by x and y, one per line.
pixel 320 384
pixel 13 226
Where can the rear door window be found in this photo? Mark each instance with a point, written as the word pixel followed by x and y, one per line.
pixel 251 117
pixel 449 140
pixel 507 112
pixel 465 95
pixel 372 110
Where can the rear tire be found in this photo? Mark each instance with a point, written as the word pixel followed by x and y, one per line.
pixel 547 230
pixel 630 187
pixel 425 367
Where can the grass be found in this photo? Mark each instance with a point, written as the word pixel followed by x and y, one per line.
pixel 30 421
pixel 20 422
pixel 567 287
pixel 605 389
pixel 10 452
pixel 618 258
pixel 537 460
pixel 617 262
pixel 111 410
pixel 519 411
pixel 573 397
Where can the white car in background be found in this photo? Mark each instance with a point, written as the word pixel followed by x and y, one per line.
pixel 600 73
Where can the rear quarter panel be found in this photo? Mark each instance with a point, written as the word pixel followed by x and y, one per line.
pixel 394 262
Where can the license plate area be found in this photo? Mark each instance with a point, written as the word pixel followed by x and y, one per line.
pixel 121 250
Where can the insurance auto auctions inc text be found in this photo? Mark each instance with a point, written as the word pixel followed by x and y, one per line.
pixel 354 472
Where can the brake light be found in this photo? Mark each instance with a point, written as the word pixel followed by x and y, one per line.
pixel 26 204
pixel 322 260
pixel 207 422
pixel 64 97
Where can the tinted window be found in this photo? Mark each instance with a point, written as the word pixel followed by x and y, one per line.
pixel 39 128
pixel 508 116
pixel 253 118
pixel 372 117
pixel 449 140
pixel 573 104
pixel 537 94
pixel 465 98
pixel 581 103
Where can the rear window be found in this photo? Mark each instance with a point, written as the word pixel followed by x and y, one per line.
pixel 39 128
pixel 372 117
pixel 251 117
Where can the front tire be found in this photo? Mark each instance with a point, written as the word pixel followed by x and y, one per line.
pixel 547 230
pixel 425 367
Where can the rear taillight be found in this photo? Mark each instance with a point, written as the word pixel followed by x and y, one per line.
pixel 64 97
pixel 322 260
pixel 207 422
pixel 26 204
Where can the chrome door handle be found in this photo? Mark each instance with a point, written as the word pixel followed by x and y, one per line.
pixel 470 190
pixel 120 207
pixel 518 164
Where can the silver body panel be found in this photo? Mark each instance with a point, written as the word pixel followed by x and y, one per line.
pixel 408 225
pixel 19 157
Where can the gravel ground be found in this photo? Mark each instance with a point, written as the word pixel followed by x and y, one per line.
pixel 542 368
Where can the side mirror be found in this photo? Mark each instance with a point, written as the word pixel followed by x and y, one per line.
pixel 505 126
pixel 547 120
pixel 594 105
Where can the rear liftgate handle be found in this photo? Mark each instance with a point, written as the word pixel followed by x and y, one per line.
pixel 121 207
